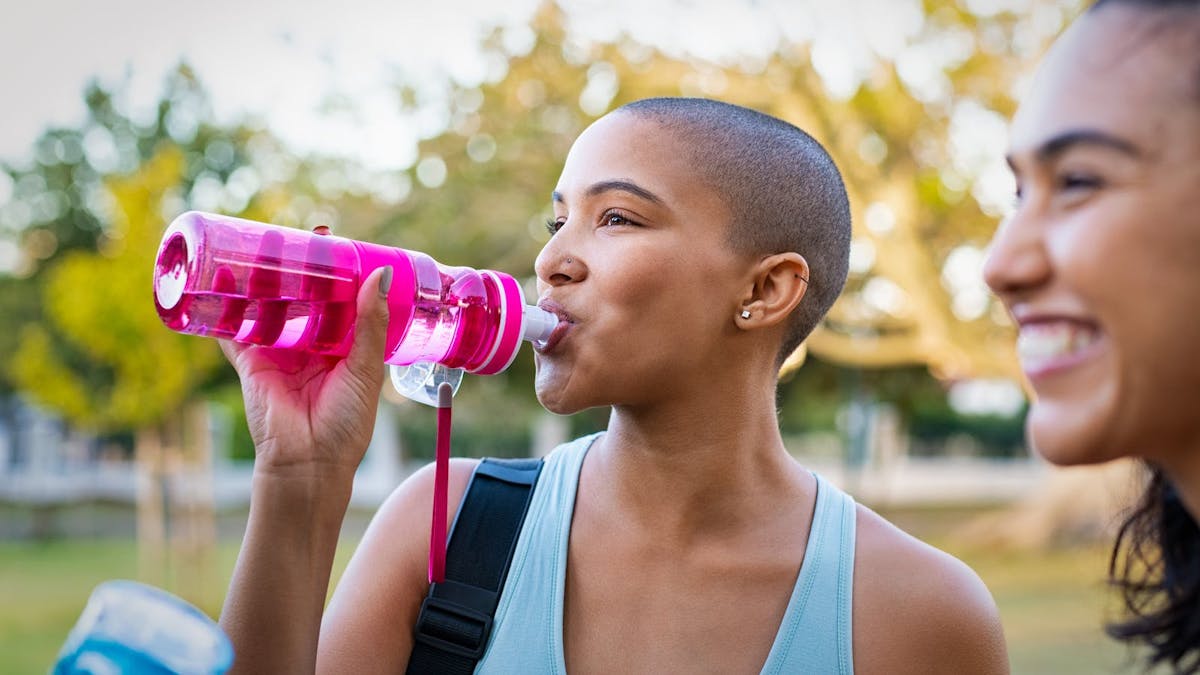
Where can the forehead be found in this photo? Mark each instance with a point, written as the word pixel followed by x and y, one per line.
pixel 625 147
pixel 1120 70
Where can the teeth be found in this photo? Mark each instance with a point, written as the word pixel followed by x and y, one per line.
pixel 1041 343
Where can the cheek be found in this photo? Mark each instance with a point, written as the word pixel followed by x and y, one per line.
pixel 648 292
pixel 678 307
pixel 1160 382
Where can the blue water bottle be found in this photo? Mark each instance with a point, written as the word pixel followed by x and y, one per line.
pixel 128 627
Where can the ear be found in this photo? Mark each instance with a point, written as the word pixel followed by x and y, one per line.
pixel 778 285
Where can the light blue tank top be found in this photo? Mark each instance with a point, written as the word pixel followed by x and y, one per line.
pixel 814 636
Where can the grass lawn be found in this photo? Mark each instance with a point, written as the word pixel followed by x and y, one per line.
pixel 1051 602
pixel 1053 606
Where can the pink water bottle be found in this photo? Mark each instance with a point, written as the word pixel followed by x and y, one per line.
pixel 280 287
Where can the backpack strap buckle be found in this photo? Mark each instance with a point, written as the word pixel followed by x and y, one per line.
pixel 451 626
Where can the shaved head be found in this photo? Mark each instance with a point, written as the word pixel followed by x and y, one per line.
pixel 782 188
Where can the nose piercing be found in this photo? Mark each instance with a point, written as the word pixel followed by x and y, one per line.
pixel 745 314
pixel 570 260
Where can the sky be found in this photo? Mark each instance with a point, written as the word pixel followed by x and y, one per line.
pixel 279 60
pixel 272 59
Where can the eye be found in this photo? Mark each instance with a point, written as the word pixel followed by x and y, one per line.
pixel 1072 182
pixel 614 218
pixel 553 225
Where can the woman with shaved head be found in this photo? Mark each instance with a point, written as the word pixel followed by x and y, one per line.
pixel 694 245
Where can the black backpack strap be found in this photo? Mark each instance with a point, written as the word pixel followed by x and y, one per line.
pixel 456 618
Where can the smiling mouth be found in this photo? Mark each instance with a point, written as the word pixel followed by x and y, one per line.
pixel 1048 346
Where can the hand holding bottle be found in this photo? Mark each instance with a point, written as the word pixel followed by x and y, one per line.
pixel 312 414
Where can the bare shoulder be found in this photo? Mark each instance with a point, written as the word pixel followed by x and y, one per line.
pixel 367 626
pixel 918 609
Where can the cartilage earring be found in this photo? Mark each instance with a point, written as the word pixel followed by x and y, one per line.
pixel 745 314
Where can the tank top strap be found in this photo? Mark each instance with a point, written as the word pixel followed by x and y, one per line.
pixel 530 641
pixel 815 635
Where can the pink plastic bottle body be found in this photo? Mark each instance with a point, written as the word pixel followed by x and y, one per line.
pixel 280 287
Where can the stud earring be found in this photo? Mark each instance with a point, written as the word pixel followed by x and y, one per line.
pixel 745 314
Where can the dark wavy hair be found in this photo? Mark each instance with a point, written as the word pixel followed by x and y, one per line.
pixel 1156 566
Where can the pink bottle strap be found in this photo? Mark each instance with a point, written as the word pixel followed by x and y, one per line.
pixel 441 486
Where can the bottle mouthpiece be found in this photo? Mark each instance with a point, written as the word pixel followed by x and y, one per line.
pixel 538 324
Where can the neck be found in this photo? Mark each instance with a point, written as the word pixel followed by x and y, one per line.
pixel 697 464
pixel 1183 471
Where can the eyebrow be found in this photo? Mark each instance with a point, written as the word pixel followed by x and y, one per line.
pixel 615 186
pixel 1056 146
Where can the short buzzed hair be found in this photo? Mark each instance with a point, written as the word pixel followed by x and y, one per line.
pixel 782 188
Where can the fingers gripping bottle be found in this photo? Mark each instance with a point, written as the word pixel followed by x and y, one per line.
pixel 280 287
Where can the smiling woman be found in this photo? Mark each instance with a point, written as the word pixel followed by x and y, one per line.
pixel 1100 268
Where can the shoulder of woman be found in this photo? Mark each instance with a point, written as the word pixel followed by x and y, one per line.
pixel 918 609
pixel 372 612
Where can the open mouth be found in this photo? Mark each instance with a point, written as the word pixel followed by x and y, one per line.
pixel 1047 346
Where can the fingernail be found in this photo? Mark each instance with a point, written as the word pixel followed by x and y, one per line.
pixel 385 282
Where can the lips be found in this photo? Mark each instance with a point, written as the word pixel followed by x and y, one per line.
pixel 565 322
pixel 1047 346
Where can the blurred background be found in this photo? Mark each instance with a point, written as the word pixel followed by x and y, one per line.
pixel 442 127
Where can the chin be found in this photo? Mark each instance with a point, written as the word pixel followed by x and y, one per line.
pixel 1067 436
pixel 556 404
pixel 554 395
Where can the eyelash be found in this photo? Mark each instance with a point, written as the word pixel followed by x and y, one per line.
pixel 1074 181
pixel 554 225
pixel 1067 182
pixel 616 213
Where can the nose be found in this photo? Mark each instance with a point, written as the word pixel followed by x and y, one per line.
pixel 1018 261
pixel 559 263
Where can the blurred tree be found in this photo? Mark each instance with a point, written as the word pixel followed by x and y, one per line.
pixel 61 206
pixel 480 186
pixel 102 358
pixel 89 210
pixel 478 195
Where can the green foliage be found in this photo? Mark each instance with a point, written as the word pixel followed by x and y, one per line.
pixel 228 399
pixel 999 436
pixel 479 195
pixel 1050 602
pixel 83 336
pixel 98 313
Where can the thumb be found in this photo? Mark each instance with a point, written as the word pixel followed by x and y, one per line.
pixel 370 327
